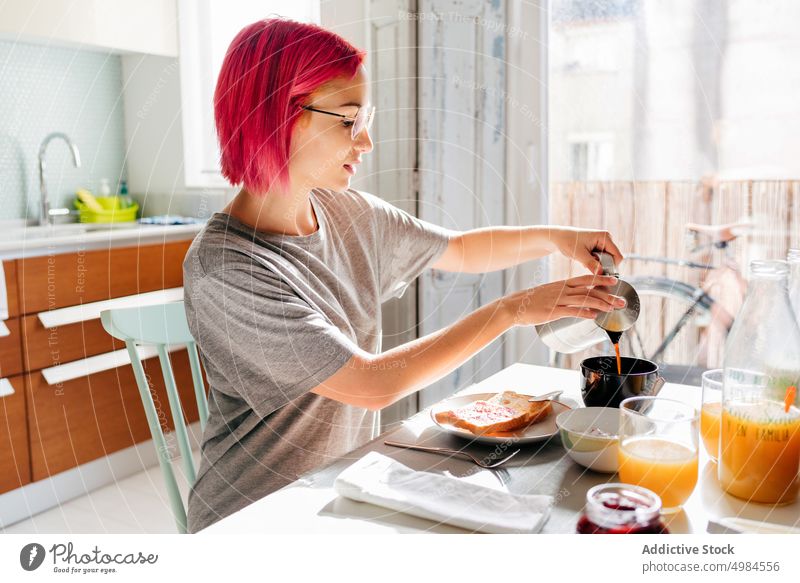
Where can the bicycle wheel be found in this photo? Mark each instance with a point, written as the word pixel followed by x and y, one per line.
pixel 680 327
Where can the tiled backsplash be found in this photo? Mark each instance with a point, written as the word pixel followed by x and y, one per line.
pixel 200 204
pixel 45 89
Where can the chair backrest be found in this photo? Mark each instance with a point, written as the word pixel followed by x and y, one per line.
pixel 162 326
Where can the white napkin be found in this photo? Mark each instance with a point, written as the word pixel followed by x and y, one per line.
pixel 380 480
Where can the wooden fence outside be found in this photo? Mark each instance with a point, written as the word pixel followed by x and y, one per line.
pixel 649 218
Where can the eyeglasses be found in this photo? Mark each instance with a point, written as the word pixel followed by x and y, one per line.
pixel 362 120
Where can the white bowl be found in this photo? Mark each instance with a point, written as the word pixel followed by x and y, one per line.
pixel 591 437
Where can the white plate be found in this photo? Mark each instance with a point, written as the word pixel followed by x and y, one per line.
pixel 540 431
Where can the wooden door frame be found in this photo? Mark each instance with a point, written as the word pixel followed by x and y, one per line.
pixel 526 152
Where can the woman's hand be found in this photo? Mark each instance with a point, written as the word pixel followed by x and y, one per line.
pixel 375 381
pixel 579 296
pixel 579 244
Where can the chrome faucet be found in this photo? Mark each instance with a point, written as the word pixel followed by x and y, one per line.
pixel 46 216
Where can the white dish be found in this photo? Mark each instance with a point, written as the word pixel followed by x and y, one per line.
pixel 590 436
pixel 544 429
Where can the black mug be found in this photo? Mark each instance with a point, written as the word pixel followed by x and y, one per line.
pixel 603 386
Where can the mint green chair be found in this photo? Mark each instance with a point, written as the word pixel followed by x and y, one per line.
pixel 161 326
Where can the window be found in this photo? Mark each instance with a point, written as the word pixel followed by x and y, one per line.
pixel 591 158
pixel 668 113
pixel 206 29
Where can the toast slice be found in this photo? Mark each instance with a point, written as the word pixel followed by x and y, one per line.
pixel 505 411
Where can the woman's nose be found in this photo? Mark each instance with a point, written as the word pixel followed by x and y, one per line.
pixel 364 141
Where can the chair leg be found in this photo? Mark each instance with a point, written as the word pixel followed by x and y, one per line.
pixel 177 414
pixel 162 449
pixel 197 379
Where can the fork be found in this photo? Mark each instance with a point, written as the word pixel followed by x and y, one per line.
pixel 445 450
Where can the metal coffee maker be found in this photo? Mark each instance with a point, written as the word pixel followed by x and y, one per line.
pixel 569 335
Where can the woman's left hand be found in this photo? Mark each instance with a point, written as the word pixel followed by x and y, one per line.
pixel 578 244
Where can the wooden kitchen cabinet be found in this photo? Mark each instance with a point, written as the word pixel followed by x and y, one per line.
pixel 69 279
pixel 46 347
pixel 15 470
pixel 12 298
pixel 15 466
pixel 92 416
pixel 47 429
pixel 11 349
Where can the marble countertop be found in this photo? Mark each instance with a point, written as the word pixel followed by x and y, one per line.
pixel 30 241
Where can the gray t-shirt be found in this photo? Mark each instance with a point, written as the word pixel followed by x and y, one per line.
pixel 274 316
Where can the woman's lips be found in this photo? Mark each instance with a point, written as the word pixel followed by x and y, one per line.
pixel 350 169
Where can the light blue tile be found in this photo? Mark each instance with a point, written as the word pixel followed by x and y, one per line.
pixel 45 89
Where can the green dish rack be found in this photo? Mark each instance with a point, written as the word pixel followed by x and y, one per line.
pixel 112 211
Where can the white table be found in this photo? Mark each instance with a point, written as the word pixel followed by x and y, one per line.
pixel 310 505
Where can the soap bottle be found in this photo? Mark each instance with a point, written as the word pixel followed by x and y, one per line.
pixel 125 200
pixel 105 188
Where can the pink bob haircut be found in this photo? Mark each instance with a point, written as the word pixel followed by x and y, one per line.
pixel 270 68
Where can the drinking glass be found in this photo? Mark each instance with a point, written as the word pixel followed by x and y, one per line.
pixel 658 448
pixel 711 411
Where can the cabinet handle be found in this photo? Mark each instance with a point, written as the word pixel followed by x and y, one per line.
pixel 91 311
pixel 87 366
pixel 6 388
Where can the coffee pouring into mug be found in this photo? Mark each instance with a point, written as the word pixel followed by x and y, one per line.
pixel 569 335
pixel 603 384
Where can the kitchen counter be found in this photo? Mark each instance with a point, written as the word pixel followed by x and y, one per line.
pixel 32 241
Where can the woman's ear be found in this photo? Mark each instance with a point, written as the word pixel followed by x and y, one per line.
pixel 303 120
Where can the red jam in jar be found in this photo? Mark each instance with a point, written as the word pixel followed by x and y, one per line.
pixel 621 509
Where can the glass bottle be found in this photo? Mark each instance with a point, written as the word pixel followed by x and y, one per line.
pixel 760 427
pixel 794 280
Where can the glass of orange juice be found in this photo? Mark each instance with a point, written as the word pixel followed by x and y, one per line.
pixel 658 444
pixel 711 411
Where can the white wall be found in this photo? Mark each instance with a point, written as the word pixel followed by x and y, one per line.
pixel 347 18
pixel 154 141
pixel 151 92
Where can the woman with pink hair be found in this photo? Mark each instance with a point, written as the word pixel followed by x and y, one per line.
pixel 283 288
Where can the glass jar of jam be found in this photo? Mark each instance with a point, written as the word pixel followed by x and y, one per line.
pixel 621 509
